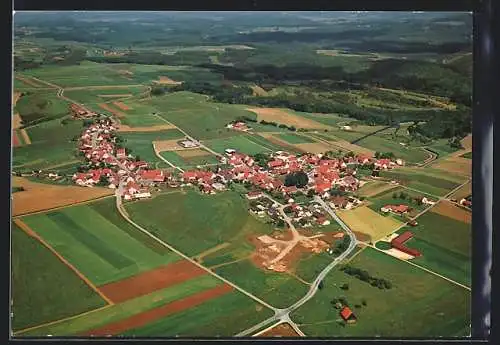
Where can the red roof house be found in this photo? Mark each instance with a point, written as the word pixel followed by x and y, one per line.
pixel 347 315
pixel 399 243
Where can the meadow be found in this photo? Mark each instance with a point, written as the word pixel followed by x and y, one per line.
pixel 293 138
pixel 187 162
pixel 241 143
pixel 141 143
pixel 446 306
pixel 104 94
pixel 409 155
pixel 41 282
pixel 193 223
pixel 38 106
pixel 96 244
pixel 311 265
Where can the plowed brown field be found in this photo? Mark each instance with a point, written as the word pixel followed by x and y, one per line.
pixel 150 281
pixel 158 313
pixel 122 105
pixel 282 330
pixel 40 197
pixel 448 209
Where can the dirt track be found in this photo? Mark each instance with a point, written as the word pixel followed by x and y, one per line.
pixel 150 281
pixel 39 196
pixel 158 313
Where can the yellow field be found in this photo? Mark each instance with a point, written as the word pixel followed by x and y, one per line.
pixel 313 147
pixel 167 145
pixel 283 117
pixel 258 91
pixel 193 153
pixel 366 221
pixel 375 187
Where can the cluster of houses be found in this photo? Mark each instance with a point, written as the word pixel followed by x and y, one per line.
pixel 110 165
pixel 78 112
pixel 238 126
pixel 403 209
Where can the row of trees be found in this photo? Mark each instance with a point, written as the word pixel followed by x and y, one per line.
pixel 366 277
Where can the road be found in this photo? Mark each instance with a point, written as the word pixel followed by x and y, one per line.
pixel 163 159
pixel 283 315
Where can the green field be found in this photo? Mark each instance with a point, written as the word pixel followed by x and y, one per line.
pixel 387 313
pixel 271 146
pixel 141 143
pixel 193 222
pixel 409 155
pixel 387 198
pixel 326 119
pixel 96 243
pixel 51 144
pixel 278 289
pixel 293 138
pixel 41 282
pixel 239 143
pixel 225 315
pixel 186 162
pixel 467 155
pixel 95 95
pixel 445 244
pixel 311 265
pixel 426 181
pixel 42 105
pixel 197 116
pixel 126 309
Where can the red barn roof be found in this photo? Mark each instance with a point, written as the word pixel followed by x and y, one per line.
pixel 346 313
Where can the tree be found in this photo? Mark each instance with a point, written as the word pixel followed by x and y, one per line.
pixel 394 195
pixel 344 286
pixel 298 179
pixel 320 285
pixel 103 181
pixel 310 193
pixel 363 302
pixel 402 195
pixel 280 223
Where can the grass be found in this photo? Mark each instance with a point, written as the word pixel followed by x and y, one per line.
pixel 310 266
pixel 128 308
pixel 96 244
pixel 409 155
pixel 193 223
pixel 387 198
pixel 141 143
pixel 278 289
pixel 293 138
pixel 467 155
pixel 41 105
pixel 225 315
pixel 41 282
pixel 383 245
pixel 90 96
pixel 446 306
pixel 270 145
pixel 239 143
pixel 373 188
pixel 184 162
pixel 425 181
pixel 445 244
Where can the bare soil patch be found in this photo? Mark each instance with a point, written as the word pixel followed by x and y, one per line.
pixel 167 145
pixel 15 98
pixel 450 210
pixel 122 105
pixel 193 153
pixel 157 313
pixel 282 117
pixel 115 112
pixel 164 80
pixel 467 142
pixel 282 330
pixel 399 254
pixel 150 281
pixel 39 196
pixel 279 142
pixel 126 128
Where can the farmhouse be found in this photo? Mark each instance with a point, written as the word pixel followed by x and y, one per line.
pixel 188 143
pixel 399 209
pixel 347 315
pixel 384 163
pixel 239 126
pixel 399 244
pixel 152 175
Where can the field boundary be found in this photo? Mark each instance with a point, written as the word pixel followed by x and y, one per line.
pixel 23 226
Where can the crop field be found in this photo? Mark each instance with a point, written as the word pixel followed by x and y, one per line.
pixel 393 197
pixel 445 244
pixel 409 155
pixel 455 165
pixel 326 119
pixel 293 138
pixel 283 116
pixel 41 106
pixel 43 283
pixel 211 220
pixel 463 192
pixel 446 306
pixel 453 211
pixel 273 145
pixel 141 143
pixel 240 143
pixel 364 220
pixel 372 188
pixel 224 315
pixel 97 94
pixel 278 289
pixel 96 244
pixel 425 180
pixel 83 324
pixel 176 158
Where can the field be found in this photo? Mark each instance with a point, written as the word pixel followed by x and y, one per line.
pixel 448 209
pixel 43 283
pixel 141 143
pixel 282 116
pixel 456 165
pixel 225 315
pixel 41 106
pixel 426 181
pixel 445 244
pixel 364 220
pixel 178 158
pixel 446 306
pixel 211 220
pixel 387 198
pixel 282 330
pixel 373 188
pixel 311 265
pixel 409 155
pixel 39 196
pixel 240 143
pixel 463 192
pixel 94 95
pixel 98 245
pixel 467 155
pixel 293 138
